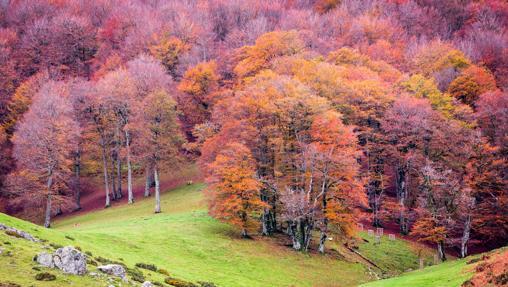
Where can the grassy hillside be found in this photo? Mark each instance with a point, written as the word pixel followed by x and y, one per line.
pixel 448 274
pixel 191 245
pixel 17 266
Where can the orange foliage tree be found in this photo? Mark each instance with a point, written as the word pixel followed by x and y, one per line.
pixel 234 193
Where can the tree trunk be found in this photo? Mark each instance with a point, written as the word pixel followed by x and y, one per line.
pixel 157 190
pixel 265 221
pixel 106 179
pixel 322 241
pixel 129 168
pixel 47 218
pixel 113 180
pixel 402 197
pixel 118 164
pixel 77 178
pixel 441 251
pixel 293 233
pixel 465 237
pixel 148 181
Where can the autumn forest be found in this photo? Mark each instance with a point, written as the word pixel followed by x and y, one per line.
pixel 305 118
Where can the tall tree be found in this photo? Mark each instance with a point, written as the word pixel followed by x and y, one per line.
pixel 234 194
pixel 160 136
pixel 43 142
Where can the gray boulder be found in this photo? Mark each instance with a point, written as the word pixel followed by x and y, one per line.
pixel 147 284
pixel 113 269
pixel 70 260
pixel 45 259
pixel 20 233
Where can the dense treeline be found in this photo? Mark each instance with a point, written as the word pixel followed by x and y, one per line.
pixel 305 116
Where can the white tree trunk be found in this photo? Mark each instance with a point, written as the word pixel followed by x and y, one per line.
pixel 118 163
pixel 157 190
pixel 148 181
pixel 106 179
pixel 322 241
pixel 129 168
pixel 465 237
pixel 77 175
pixel 47 219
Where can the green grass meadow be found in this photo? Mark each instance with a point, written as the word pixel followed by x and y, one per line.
pixel 191 245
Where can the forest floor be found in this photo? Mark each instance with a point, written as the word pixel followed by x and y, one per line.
pixel 191 245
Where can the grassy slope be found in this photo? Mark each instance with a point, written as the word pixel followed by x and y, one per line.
pixel 193 246
pixel 448 274
pixel 394 256
pixel 16 258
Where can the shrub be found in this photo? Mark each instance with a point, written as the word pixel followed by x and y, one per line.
pixel 13 233
pixel 501 280
pixel 91 262
pixel 7 243
pixel 55 245
pixel 158 284
pixel 136 274
pixel 77 247
pixel 9 284
pixel 206 284
pixel 179 283
pixel 36 268
pixel 68 237
pixel 108 261
pixel 474 260
pixel 151 267
pixel 88 253
pixel 45 276
pixel 163 271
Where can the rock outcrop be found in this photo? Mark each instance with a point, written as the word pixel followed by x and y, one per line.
pixel 45 259
pixel 20 233
pixel 113 269
pixel 68 259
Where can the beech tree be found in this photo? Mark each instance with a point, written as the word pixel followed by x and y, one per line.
pixel 336 174
pixel 234 193
pixel 159 135
pixel 116 95
pixel 43 142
